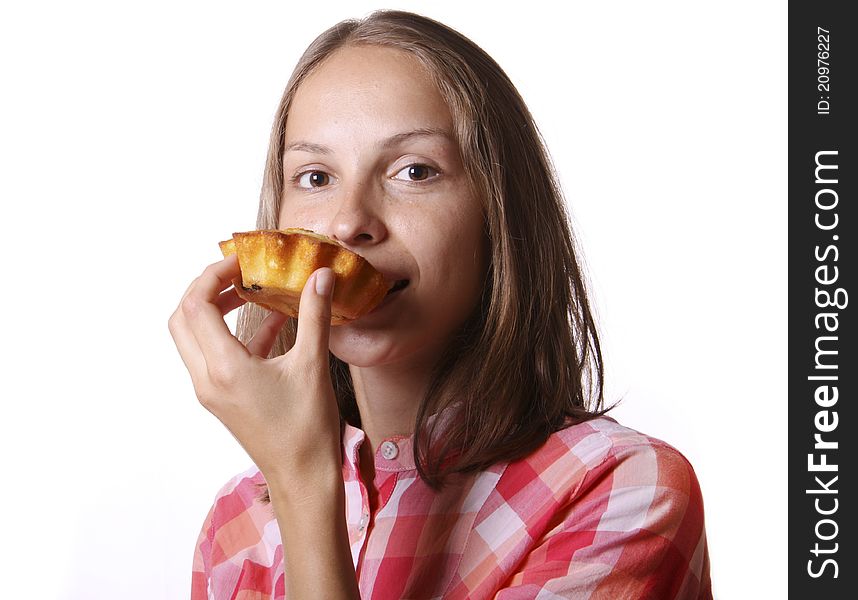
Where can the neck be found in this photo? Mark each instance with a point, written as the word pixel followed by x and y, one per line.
pixel 387 397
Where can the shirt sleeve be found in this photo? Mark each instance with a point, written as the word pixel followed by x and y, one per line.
pixel 213 576
pixel 633 530
pixel 201 573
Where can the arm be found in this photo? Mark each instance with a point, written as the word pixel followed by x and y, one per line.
pixel 318 561
pixel 634 530
pixel 284 413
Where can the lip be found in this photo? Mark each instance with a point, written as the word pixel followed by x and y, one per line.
pixel 393 278
pixel 398 285
pixel 390 277
pixel 391 296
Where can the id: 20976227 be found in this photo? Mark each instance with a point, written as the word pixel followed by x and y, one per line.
pixel 823 68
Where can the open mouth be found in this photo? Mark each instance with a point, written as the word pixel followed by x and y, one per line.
pixel 399 285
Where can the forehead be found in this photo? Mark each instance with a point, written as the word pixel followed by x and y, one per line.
pixel 373 88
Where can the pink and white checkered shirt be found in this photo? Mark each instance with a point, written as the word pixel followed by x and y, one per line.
pixel 599 511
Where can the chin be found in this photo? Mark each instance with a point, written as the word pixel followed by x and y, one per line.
pixel 364 348
pixel 374 348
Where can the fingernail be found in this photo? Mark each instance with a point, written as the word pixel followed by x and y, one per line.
pixel 324 282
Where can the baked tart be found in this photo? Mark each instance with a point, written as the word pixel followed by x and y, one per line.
pixel 275 265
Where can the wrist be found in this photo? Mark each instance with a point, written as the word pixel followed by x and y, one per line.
pixel 295 470
pixel 312 522
pixel 319 492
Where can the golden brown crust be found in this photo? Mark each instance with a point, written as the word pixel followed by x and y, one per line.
pixel 275 265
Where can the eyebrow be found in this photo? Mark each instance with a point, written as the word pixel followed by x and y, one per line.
pixel 394 140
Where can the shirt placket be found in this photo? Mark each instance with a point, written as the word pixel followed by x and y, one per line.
pixel 388 464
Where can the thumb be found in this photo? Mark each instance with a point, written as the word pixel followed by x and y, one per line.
pixel 314 314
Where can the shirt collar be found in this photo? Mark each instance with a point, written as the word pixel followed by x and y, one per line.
pixel 399 457
pixel 399 449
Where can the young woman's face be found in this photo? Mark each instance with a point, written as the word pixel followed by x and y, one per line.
pixel 370 161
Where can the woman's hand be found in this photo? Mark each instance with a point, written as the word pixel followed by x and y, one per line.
pixel 284 414
pixel 281 410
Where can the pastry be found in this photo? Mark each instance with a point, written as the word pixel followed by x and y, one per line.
pixel 275 265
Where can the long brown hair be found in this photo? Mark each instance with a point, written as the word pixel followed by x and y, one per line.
pixel 527 361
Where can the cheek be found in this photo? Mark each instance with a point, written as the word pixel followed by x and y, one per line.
pixel 455 258
pixel 466 237
pixel 292 216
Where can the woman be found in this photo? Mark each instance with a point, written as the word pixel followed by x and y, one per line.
pixel 450 443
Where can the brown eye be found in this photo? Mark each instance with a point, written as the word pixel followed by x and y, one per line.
pixel 416 172
pixel 314 179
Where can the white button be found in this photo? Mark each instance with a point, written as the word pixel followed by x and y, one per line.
pixel 389 450
pixel 364 519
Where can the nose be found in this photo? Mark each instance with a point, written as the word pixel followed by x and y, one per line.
pixel 357 221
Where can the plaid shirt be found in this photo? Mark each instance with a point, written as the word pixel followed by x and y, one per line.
pixel 599 511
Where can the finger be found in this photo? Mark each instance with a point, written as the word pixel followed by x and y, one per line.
pixel 229 260
pixel 187 346
pixel 204 316
pixel 314 315
pixel 228 301
pixel 183 338
pixel 264 338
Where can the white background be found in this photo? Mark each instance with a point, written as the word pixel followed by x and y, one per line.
pixel 132 139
